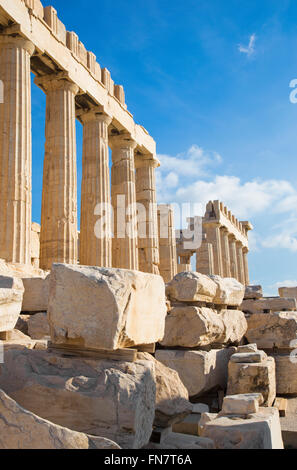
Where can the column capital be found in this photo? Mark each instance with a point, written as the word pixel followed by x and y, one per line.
pixel 55 81
pixel 146 161
pixel 245 250
pixel 93 114
pixel 17 41
pixel 122 141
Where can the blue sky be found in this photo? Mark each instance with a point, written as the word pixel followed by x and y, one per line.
pixel 209 79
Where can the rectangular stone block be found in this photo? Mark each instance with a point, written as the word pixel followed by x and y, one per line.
pixel 268 304
pixel 36 294
pixel 200 371
pixel 273 330
pixel 253 292
pixel 191 287
pixel 11 297
pixel 253 378
pixel 286 373
pixel 105 308
pixel 288 292
pixel 243 404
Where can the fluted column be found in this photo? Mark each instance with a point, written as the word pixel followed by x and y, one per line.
pixel 246 266
pixel 95 227
pixel 225 252
pixel 148 241
pixel 241 276
pixel 15 149
pixel 167 242
pixel 204 258
pixel 123 197
pixel 213 236
pixel 233 257
pixel 58 236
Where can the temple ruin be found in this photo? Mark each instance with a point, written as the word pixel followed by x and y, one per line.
pixel 108 337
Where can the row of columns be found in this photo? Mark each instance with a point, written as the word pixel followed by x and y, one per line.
pixel 221 254
pixel 129 185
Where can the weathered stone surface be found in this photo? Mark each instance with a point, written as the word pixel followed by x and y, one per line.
pixel 11 296
pixel 110 399
pixel 267 304
pixel 191 287
pixel 253 292
pixel 188 425
pixel 286 373
pixel 183 441
pixel 200 408
pixel 253 378
pixel 172 397
pixel 20 429
pixel 271 330
pixel 22 324
pixel 205 418
pixel 18 340
pixel 105 308
pixel 251 357
pixel 288 292
pixel 257 431
pixel 229 291
pixel 235 326
pixel 247 348
pixel 36 294
pixel 243 404
pixel 200 371
pixel 192 326
pixel 38 327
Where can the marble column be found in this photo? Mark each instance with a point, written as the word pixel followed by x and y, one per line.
pixel 225 252
pixel 123 197
pixel 233 257
pixel 15 149
pixel 96 213
pixel 167 242
pixel 58 235
pixel 204 259
pixel 241 276
pixel 246 266
pixel 148 240
pixel 213 236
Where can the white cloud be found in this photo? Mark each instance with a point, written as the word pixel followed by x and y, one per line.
pixel 250 49
pixel 179 180
pixel 287 283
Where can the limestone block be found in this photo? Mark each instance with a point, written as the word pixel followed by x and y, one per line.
pixel 35 241
pixel 247 348
pixel 229 291
pixel 18 340
pixel 115 400
pixel 183 441
pixel 243 404
pixel 249 358
pixel 253 378
pixel 57 27
pixel 235 326
pixel 191 287
pixel 286 374
pixel 172 398
pixel 288 292
pixel 253 292
pixel 271 330
pixel 22 324
pixel 36 294
pixel 38 327
pixel 11 297
pixel 267 304
pixel 200 371
pixel 20 429
pixel 199 408
pixel 192 327
pixel 257 431
pixel 105 308
pixel 189 425
pixel 205 418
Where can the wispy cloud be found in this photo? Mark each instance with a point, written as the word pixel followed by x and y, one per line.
pixel 250 49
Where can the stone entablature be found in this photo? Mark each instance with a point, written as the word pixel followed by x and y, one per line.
pixel 58 50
